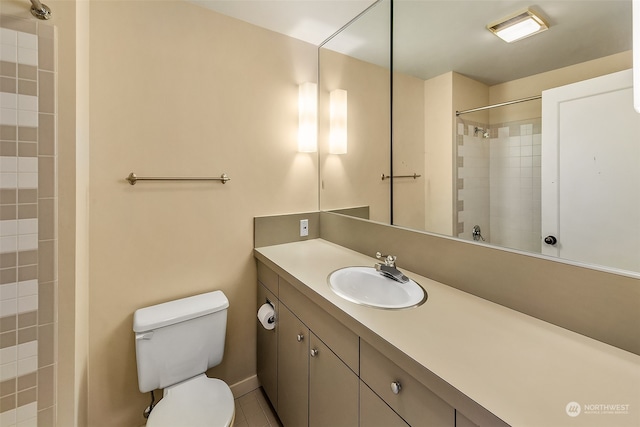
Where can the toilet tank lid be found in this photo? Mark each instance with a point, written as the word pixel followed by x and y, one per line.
pixel 168 313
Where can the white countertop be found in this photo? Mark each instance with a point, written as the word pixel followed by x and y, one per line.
pixel 523 370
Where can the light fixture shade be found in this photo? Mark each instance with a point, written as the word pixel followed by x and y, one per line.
pixel 518 26
pixel 308 118
pixel 338 121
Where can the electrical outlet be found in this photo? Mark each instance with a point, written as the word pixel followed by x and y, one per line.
pixel 304 227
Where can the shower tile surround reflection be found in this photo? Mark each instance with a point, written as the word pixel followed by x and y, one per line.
pixel 27 222
pixel 499 182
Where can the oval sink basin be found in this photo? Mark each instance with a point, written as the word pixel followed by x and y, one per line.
pixel 366 286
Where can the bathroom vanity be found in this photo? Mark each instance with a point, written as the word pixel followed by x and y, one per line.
pixel 456 360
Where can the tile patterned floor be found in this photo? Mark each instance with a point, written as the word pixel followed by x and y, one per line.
pixel 253 410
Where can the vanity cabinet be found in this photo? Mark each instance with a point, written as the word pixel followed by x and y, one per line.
pixel 414 402
pixel 317 372
pixel 313 385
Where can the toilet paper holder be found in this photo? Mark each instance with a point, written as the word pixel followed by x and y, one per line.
pixel 272 319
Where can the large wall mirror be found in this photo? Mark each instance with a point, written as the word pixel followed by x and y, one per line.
pixel 530 145
pixel 356 60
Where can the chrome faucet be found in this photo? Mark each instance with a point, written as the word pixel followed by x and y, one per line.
pixel 388 269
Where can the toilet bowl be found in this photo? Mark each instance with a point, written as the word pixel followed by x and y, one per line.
pixel 176 342
pixel 200 401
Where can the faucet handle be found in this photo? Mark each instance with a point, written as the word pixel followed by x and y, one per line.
pixel 389 260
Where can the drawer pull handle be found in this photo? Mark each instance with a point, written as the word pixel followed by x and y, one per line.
pixel 314 352
pixel 396 387
pixel 300 337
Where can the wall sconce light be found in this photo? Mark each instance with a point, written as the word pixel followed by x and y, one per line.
pixel 308 118
pixel 338 121
pixel 518 26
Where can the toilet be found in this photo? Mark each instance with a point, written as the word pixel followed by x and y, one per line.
pixel 176 342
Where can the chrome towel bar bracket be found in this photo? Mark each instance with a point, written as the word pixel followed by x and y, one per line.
pixel 133 178
pixel 414 176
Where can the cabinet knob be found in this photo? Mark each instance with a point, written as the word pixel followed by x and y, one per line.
pixel 314 352
pixel 396 387
pixel 300 337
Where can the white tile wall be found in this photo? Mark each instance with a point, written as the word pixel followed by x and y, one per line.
pixel 17 46
pixel 8 244
pixel 26 415
pixel 8 100
pixel 8 53
pixel 8 117
pixel 8 291
pixel 9 37
pixel 27 103
pixel 475 173
pixel 19 234
pixel 515 189
pixel 501 185
pixel 27 40
pixel 8 418
pixel 28 288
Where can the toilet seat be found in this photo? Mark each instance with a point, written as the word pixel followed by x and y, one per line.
pixel 197 402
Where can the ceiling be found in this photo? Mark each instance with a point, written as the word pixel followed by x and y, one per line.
pixel 312 21
pixel 432 37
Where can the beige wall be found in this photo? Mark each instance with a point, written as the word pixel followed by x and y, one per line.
pixel 353 179
pixel 438 163
pixel 534 85
pixel 444 95
pixel 145 238
pixel 468 94
pixel 408 150
pixel 176 90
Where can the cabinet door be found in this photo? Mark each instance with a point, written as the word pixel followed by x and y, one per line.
pixel 267 350
pixel 333 389
pixel 462 421
pixel 375 413
pixel 293 370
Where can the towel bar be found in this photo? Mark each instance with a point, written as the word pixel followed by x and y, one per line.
pixel 133 178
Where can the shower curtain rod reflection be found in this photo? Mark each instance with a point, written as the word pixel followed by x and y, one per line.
pixel 502 104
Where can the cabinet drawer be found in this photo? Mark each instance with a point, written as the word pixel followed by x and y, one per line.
pixel 414 402
pixel 343 341
pixel 375 413
pixel 268 278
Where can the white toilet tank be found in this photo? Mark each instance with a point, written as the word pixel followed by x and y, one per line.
pixel 180 339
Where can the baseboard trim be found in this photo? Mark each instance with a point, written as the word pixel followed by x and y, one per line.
pixel 245 386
